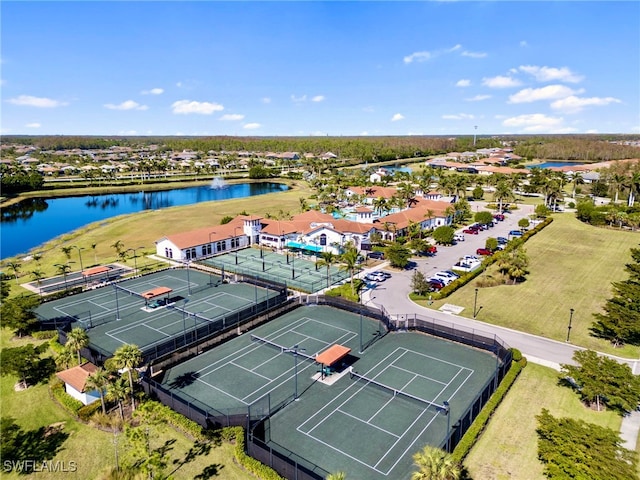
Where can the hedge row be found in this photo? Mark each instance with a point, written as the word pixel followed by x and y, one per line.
pixel 259 469
pixel 477 427
pixel 467 277
pixel 45 334
pixel 67 401
pixel 176 420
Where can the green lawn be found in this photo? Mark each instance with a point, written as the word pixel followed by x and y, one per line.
pixel 572 265
pixel 90 448
pixel 507 449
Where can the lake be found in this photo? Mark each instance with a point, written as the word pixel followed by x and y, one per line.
pixel 35 221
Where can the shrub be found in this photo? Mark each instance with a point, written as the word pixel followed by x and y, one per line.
pixel 251 464
pixel 87 411
pixel 67 401
pixel 477 427
pixel 45 335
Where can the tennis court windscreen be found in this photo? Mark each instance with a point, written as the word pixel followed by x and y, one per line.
pixel 282 349
pixel 369 382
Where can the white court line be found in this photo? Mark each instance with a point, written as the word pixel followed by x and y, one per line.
pixel 250 371
pixel 370 424
pixel 418 375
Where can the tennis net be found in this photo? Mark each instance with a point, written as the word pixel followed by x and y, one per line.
pixel 127 291
pixel 282 349
pixel 395 392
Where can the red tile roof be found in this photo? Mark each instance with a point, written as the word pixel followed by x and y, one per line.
pixel 77 376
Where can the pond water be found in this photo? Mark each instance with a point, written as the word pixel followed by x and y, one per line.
pixel 554 164
pixel 35 221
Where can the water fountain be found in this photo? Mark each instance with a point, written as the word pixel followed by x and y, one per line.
pixel 217 183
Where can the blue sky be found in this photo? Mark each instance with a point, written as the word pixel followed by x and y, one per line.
pixel 319 68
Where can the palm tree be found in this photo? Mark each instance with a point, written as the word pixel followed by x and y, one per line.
pixel 337 476
pixel 95 254
pixel 128 357
pixel 15 266
pixel 77 339
pixel 350 263
pixel 64 358
pixel 99 380
pixel 327 259
pixel 119 247
pixel 435 464
pixel 117 391
pixel 67 251
pixel 38 275
pixel 503 192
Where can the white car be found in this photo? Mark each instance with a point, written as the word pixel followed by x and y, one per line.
pixel 458 237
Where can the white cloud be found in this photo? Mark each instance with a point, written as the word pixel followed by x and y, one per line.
pixel 417 57
pixel 396 117
pixel 126 105
pixel 33 125
pixel 478 98
pixel 128 132
pixel 551 74
pixel 40 102
pixel 153 91
pixel 592 130
pixel 318 98
pixel 467 53
pixel 251 126
pixel 301 99
pixel 535 122
pixel 266 100
pixel 179 84
pixel 550 92
pixel 186 107
pixel 523 43
pixel 500 81
pixel 364 134
pixel 232 117
pixel 460 116
pixel 575 104
pixel 463 83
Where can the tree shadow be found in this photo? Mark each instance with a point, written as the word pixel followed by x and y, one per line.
pixel 36 446
pixel 184 380
pixel 199 448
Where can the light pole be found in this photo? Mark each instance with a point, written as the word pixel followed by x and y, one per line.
pixel 446 412
pixel 295 349
pixel 135 258
pixel 475 127
pixel 236 241
pixel 117 304
pixel 188 280
pixel 184 325
pixel 79 255
pixel 571 310
pixel 475 303
pixel 361 334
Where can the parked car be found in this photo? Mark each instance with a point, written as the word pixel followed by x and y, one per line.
pixel 499 217
pixel 376 255
pixel 436 284
pixel 502 240
pixel 470 231
pixel 370 277
pixel 451 273
pixel 470 258
pixel 379 276
pixel 458 237
pixel 447 279
pixel 444 281
pixel 484 251
pixel 386 274
pixel 515 233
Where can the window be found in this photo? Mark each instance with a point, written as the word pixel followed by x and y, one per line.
pixel 323 239
pixel 168 253
pixel 187 254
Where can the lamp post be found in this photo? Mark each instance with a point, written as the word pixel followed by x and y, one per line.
pixel 79 255
pixel 571 310
pixel 446 412
pixel 236 242
pixel 295 349
pixel 117 304
pixel 475 127
pixel 135 258
pixel 361 334
pixel 184 325
pixel 188 280
pixel 475 303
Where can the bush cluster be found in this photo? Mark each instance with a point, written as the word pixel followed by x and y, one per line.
pixel 257 468
pixel 477 427
pixel 67 401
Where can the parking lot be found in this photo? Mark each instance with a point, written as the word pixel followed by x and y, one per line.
pixel 388 292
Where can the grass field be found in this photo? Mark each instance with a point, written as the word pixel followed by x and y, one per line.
pixel 144 228
pixel 92 449
pixel 572 265
pixel 507 449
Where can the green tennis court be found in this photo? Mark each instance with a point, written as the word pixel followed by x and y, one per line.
pixel 192 304
pixel 366 418
pixel 296 272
